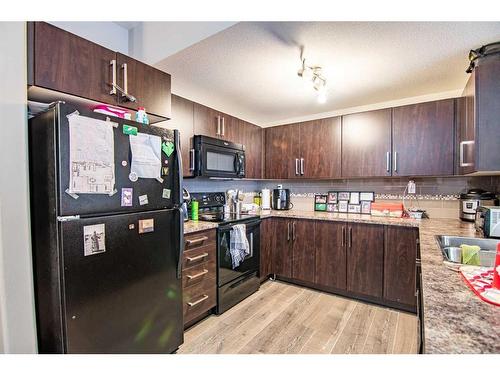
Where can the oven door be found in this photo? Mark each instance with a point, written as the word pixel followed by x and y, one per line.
pixel 218 161
pixel 250 264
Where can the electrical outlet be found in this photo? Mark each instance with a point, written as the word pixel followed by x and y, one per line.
pixel 411 187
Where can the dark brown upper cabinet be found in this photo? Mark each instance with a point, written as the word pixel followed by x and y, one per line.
pixel 61 61
pixel 149 86
pixel 280 145
pixel 478 134
pixel 366 144
pixel 250 135
pixel 423 139
pixel 310 149
pixel 183 120
pixel 215 124
pixel 399 265
pixel 64 62
pixel 365 259
pixel 320 148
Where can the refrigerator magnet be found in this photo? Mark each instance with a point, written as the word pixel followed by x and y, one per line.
pixel 143 199
pixel 166 194
pixel 354 197
pixel 146 226
pixel 94 239
pixel 167 148
pixel 127 194
pixel 133 176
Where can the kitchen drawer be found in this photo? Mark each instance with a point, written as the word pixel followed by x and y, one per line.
pixel 199 239
pixel 198 256
pixel 196 275
pixel 198 299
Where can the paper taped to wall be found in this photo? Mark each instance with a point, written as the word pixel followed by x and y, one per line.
pixel 146 155
pixel 92 162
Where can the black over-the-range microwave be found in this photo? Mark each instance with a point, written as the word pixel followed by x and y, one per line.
pixel 218 158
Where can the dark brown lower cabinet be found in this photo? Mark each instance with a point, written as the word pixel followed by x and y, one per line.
pixel 303 253
pixel 330 269
pixel 399 264
pixel 282 250
pixel 373 262
pixel 267 243
pixel 365 259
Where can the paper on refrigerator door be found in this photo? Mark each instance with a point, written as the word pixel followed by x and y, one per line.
pixel 146 155
pixel 92 162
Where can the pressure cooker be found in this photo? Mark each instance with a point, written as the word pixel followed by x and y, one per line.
pixel 472 199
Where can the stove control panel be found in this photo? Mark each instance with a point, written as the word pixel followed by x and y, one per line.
pixel 209 199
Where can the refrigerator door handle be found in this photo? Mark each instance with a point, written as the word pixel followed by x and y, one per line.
pixel 181 242
pixel 178 198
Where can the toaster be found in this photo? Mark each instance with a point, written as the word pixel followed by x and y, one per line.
pixel 488 221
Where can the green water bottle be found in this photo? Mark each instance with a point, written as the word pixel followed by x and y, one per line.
pixel 194 210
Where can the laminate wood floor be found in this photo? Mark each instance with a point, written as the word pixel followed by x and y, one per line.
pixel 284 318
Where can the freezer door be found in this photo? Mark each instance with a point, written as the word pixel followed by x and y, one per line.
pixel 157 194
pixel 120 286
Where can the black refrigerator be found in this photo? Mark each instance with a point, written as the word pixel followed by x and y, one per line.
pixel 106 261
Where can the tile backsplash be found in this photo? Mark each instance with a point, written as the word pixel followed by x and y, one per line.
pixel 437 195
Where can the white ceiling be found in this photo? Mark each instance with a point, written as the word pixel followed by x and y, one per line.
pixel 250 69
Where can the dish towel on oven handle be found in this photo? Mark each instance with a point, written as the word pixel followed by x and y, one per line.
pixel 238 244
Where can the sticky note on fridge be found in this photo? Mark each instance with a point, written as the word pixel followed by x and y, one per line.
pixel 166 193
pixel 167 148
pixel 129 130
pixel 126 200
pixel 143 199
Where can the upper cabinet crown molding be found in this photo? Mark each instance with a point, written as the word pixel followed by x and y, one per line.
pixel 61 61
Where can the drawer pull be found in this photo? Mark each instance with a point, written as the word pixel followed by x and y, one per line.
pixel 201 256
pixel 196 240
pixel 195 276
pixel 198 301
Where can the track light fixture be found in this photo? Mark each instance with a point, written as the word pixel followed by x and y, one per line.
pixel 313 75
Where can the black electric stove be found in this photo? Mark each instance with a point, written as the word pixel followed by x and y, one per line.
pixel 211 208
pixel 233 284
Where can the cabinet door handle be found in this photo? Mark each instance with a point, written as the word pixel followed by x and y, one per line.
pixel 125 79
pixel 343 236
pixel 462 156
pixel 350 237
pixel 302 166
pixel 191 304
pixel 395 161
pixel 223 125
pixel 296 167
pixel 191 159
pixel 112 63
pixel 293 231
pixel 196 275
pixel 196 240
pixel 201 256
pixel 388 161
pixel 218 126
pixel 288 234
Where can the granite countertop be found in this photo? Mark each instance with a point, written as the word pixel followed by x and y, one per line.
pixel 197 226
pixel 455 319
